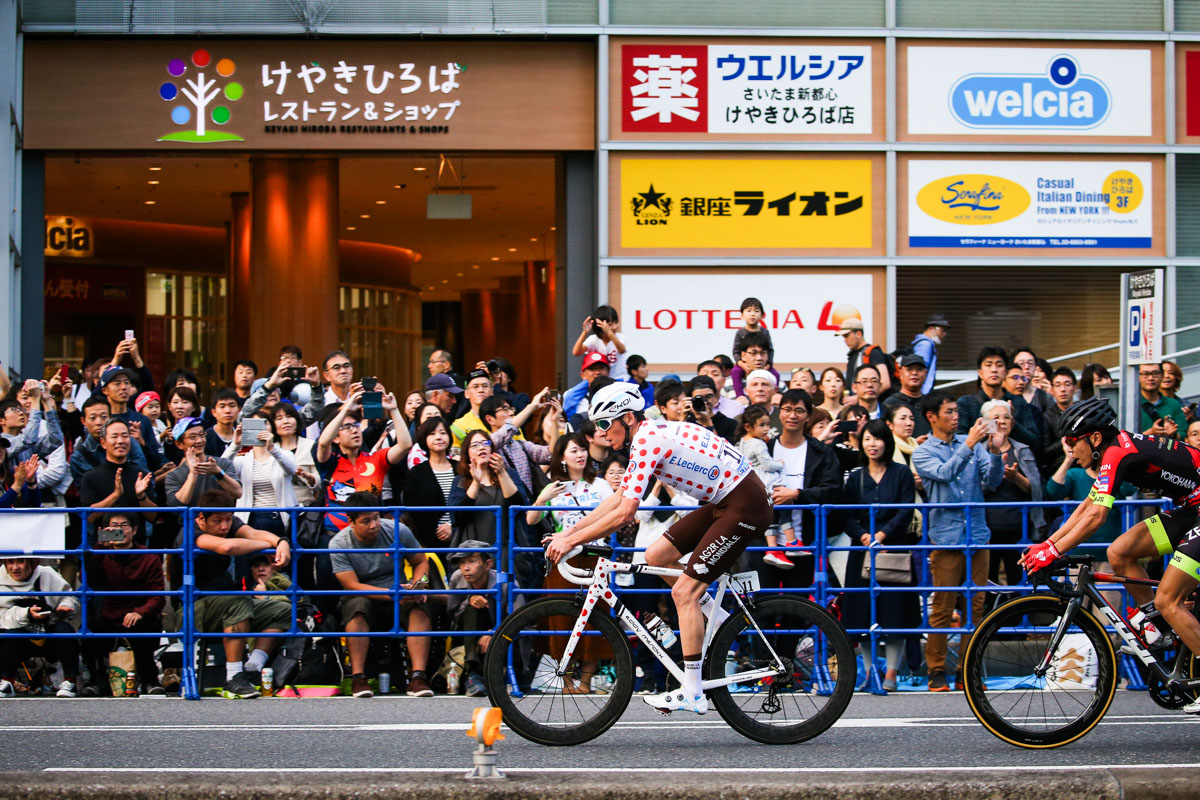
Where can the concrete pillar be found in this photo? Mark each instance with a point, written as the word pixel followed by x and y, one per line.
pixel 289 290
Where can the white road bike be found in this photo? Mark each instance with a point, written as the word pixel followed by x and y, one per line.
pixel 780 669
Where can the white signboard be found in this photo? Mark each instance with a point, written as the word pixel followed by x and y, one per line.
pixel 1143 317
pixel 1016 204
pixel 1029 91
pixel 675 319
pixel 29 532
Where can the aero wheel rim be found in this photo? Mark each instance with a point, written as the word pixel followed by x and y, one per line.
pixel 1033 703
pixel 548 696
pixel 787 698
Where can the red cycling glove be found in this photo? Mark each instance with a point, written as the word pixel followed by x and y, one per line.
pixel 1040 556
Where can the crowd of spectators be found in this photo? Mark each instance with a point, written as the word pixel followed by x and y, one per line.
pixel 300 435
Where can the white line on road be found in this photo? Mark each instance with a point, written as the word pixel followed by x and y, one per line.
pixel 592 770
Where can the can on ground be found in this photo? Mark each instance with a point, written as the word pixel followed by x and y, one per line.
pixel 385 682
pixel 268 681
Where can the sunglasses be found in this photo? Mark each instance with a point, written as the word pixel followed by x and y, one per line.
pixel 604 424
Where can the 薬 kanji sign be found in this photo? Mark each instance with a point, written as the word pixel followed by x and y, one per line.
pixel 749 89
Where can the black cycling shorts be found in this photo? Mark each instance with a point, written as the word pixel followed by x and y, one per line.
pixel 717 533
pixel 1178 530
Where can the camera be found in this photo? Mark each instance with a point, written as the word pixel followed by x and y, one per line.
pixel 700 402
pixel 369 384
pixel 293 373
pixel 493 366
pixel 110 536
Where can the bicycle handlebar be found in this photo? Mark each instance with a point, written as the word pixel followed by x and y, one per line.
pixel 579 577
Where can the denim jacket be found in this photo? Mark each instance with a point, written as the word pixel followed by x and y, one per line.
pixel 955 473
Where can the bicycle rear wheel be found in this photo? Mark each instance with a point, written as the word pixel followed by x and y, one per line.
pixel 808 696
pixel 1039 711
pixel 546 706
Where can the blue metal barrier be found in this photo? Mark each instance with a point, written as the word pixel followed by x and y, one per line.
pixel 506 553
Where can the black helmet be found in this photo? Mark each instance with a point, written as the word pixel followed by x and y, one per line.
pixel 1088 416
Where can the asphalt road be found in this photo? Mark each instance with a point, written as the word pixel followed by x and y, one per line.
pixel 905 733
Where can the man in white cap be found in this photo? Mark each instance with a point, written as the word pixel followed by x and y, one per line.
pixel 860 352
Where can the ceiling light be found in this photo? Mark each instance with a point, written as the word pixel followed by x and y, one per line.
pixel 494 258
pixel 397 186
pixel 351 228
pixel 381 202
pixel 149 202
pixel 512 249
pixel 152 183
pixel 445 281
pixel 155 168
pixel 431 288
pixel 364 216
pixel 553 228
pixel 458 274
pixel 474 266
pixel 533 238
pixel 420 169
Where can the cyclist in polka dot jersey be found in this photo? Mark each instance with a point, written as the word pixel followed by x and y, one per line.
pixel 734 512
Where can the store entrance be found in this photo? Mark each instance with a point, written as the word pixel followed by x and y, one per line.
pixel 426 251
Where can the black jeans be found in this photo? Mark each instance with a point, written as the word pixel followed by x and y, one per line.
pixel 65 650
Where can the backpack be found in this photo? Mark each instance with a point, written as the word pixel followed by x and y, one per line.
pixel 308 660
pixel 890 360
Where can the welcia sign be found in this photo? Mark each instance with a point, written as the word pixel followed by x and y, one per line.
pixel 1029 91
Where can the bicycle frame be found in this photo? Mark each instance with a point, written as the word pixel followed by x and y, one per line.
pixel 1085 587
pixel 597 581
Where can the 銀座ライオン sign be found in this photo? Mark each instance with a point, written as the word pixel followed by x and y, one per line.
pixel 746 203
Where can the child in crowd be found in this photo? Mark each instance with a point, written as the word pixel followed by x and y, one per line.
pixel 752 314
pixel 601 334
pixel 754 425
pixel 149 404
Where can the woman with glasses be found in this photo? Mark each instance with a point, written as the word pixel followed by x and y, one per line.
pixel 483 480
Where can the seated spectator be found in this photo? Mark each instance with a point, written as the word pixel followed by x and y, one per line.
pixel 429 484
pixel 478 389
pixel 265 473
pixel 574 400
pixel 116 384
pixel 343 464
pixel 601 335
pixel 219 538
pixel 110 568
pixel 22 491
pixel 199 473
pixel 117 483
pixel 41 608
pixel 726 405
pixel 700 407
pixel 225 410
pixel 912 377
pixel 1091 379
pixel 639 373
pixel 244 373
pixel 881 480
pixel 88 453
pixel 364 572
pixel 755 358
pixel 992 367
pixel 474 612
pixel 833 387
pixel 483 480
pixel 1021 483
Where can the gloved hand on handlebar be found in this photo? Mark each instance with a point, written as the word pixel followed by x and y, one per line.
pixel 1040 556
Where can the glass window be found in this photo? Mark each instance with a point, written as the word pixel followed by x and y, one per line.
pixel 1055 15
pixel 191 310
pixel 752 13
pixel 380 327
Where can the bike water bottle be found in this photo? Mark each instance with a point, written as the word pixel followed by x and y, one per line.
pixel 1137 620
pixel 661 630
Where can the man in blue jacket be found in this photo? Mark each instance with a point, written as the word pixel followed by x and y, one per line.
pixel 926 344
pixel 955 468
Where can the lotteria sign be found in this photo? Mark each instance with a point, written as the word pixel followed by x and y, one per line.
pixel 684 321
pixel 1015 204
pixel 1029 91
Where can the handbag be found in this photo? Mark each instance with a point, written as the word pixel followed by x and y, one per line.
pixel 889 567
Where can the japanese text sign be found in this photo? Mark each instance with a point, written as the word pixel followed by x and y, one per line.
pixel 760 89
pixel 686 321
pixel 745 203
pixel 283 94
pixel 1143 317
pixel 1019 204
pixel 1029 91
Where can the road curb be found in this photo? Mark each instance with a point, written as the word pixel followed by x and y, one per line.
pixel 1011 784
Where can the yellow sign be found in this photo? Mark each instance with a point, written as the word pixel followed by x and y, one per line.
pixel 1124 190
pixel 745 203
pixel 68 236
pixel 973 199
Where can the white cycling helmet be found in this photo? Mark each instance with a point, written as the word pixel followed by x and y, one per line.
pixel 612 401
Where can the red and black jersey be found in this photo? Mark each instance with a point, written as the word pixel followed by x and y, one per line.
pixel 1151 463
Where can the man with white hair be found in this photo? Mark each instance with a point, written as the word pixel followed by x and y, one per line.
pixel 763 390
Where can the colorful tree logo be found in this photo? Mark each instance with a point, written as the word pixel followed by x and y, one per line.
pixel 200 92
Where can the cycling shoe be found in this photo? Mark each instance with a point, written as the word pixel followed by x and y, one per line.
pixel 677 700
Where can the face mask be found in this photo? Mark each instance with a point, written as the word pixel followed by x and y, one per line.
pixel 937 338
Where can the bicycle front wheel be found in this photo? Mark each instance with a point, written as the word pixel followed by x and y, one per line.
pixel 1020 704
pixel 544 703
pixel 798 702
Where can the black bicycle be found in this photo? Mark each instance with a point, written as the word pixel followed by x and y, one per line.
pixel 1041 670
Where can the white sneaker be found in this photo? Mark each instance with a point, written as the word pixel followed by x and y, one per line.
pixel 677 700
pixel 65 689
pixel 1192 707
pixel 7 689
